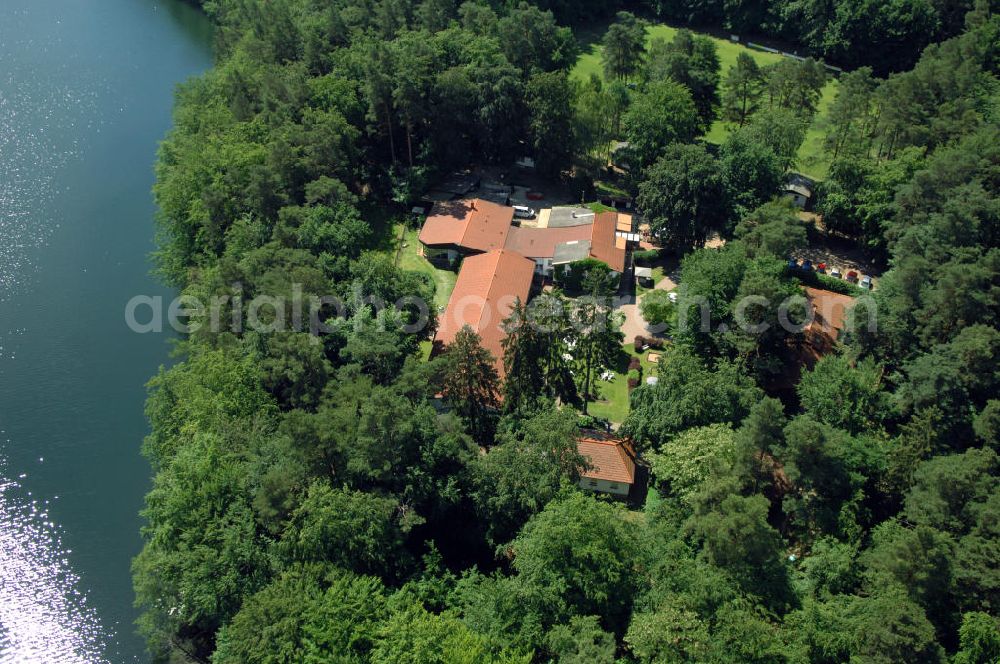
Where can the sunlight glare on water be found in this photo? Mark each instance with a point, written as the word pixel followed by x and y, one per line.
pixel 35 122
pixel 44 616
pixel 85 94
pixel 86 90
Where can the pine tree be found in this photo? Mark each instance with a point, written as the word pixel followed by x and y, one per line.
pixel 522 357
pixel 743 89
pixel 471 384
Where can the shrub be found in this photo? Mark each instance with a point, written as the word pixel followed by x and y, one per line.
pixel 656 344
pixel 591 422
pixel 571 276
pixel 646 257
pixel 639 342
pixel 826 282
pixel 634 373
pixel 633 383
pixel 634 363
pixel 657 309
pixel 838 286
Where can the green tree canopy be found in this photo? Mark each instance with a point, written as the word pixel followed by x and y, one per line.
pixel 687 395
pixel 661 114
pixel 742 89
pixel 691 60
pixel 684 197
pixel 773 229
pixel 583 550
pixel 471 383
pixel 624 45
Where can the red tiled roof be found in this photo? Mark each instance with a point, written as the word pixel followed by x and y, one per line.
pixel 487 286
pixel 477 225
pixel 611 460
pixel 541 242
pixel 820 336
pixel 829 311
pixel 602 243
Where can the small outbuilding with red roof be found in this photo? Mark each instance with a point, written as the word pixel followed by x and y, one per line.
pixel 612 464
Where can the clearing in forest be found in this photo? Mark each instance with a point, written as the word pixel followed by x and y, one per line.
pixel 812 159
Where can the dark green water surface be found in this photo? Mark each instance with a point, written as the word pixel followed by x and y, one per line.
pixel 86 90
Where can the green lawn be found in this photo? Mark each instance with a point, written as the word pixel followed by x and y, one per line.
pixel 653 499
pixel 598 207
pixel 590 61
pixel 410 259
pixel 614 403
pixel 610 187
pixel 812 159
pixel 659 271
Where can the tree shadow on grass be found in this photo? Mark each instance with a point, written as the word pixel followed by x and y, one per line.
pixel 383 221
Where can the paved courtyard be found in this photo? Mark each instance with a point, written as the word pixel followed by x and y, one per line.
pixel 634 325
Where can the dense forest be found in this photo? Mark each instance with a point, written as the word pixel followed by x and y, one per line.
pixel 313 501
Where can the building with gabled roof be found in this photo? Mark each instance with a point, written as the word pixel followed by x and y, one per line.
pixel 540 244
pixel 488 285
pixel 597 238
pixel 800 190
pixel 465 227
pixel 829 317
pixel 612 463
pixel 605 245
pixel 500 261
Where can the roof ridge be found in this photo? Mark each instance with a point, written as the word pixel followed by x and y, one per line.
pixel 468 220
pixel 493 280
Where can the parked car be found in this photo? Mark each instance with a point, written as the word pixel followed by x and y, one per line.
pixel 793 264
pixel 523 212
pixel 866 282
pixel 807 266
pixel 835 273
pixel 852 276
pixel 821 268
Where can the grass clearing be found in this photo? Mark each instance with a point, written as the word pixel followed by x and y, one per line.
pixel 599 207
pixel 614 396
pixel 410 259
pixel 653 499
pixel 812 158
pixel 590 60
pixel 610 188
pixel 659 271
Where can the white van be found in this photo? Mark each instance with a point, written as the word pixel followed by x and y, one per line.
pixel 523 212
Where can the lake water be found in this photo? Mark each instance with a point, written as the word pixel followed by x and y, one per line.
pixel 86 90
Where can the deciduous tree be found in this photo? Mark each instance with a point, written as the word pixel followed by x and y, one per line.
pixel 662 114
pixel 691 60
pixel 684 197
